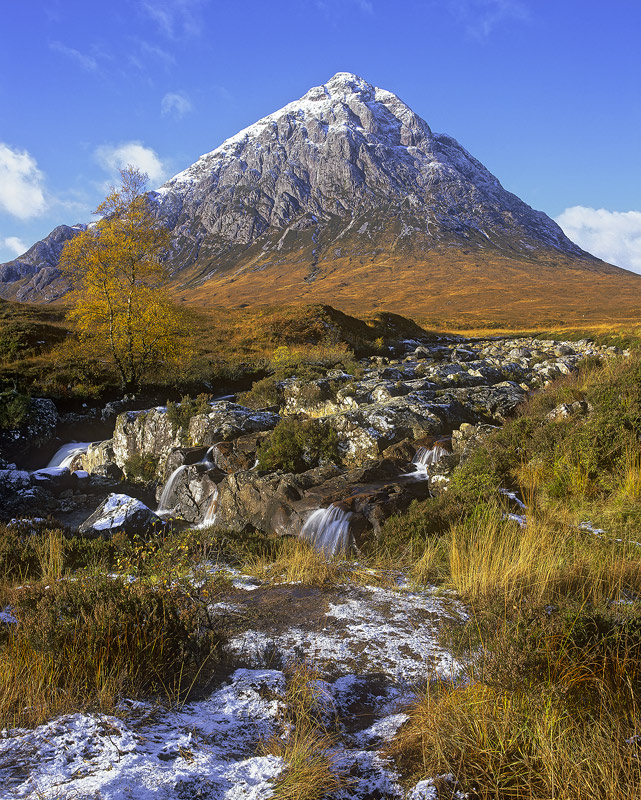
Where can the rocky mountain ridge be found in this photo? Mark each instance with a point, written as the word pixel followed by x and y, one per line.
pixel 292 206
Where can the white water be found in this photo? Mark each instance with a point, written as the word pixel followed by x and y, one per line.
pixel 66 454
pixel 428 457
pixel 168 490
pixel 212 510
pixel 327 530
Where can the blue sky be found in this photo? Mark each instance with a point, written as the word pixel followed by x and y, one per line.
pixel 546 93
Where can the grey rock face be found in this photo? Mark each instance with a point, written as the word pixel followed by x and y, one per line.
pixel 34 275
pixel 332 172
pixel 388 413
pixel 343 150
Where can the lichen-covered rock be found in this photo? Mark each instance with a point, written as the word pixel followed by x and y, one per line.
pixel 227 421
pixel 365 433
pixel 97 455
pixel 145 433
pixel 157 434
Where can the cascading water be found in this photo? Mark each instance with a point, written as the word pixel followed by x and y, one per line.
pixel 327 530
pixel 164 506
pixel 212 509
pixel 65 455
pixel 428 457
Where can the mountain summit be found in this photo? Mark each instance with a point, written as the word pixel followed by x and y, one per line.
pixel 346 196
pixel 344 151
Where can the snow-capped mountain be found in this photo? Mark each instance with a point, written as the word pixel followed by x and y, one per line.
pixel 345 149
pixel 346 175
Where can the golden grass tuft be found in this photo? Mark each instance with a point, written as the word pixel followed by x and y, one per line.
pixel 516 745
pixel 308 745
pixel 493 557
pixel 296 561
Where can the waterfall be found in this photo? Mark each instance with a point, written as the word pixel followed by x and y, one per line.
pixel 327 530
pixel 66 454
pixel 428 457
pixel 168 490
pixel 212 510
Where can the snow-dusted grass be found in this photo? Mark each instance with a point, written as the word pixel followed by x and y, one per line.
pixel 315 728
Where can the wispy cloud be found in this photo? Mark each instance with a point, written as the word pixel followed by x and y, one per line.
pixel 159 53
pixel 114 157
pixel 331 6
pixel 175 104
pixel 86 61
pixel 14 244
pixel 21 184
pixel 176 18
pixel 614 236
pixel 481 17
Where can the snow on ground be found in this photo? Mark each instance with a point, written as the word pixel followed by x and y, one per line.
pixel 373 649
pixel 382 630
pixel 207 749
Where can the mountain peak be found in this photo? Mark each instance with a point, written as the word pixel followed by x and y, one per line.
pixel 344 83
pixel 346 175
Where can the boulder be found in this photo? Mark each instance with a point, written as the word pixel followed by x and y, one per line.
pixel 227 421
pixel 365 433
pixel 119 512
pixel 239 454
pixel 98 454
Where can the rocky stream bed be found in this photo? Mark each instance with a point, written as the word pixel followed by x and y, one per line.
pixel 402 424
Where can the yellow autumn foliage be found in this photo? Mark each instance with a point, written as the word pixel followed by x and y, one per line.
pixel 117 277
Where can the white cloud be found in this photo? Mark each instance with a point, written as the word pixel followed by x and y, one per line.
pixel 21 192
pixel 614 236
pixel 175 104
pixel 115 157
pixel 176 18
pixel 17 246
pixel 86 61
pixel 481 17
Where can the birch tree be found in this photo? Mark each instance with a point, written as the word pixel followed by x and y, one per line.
pixel 117 278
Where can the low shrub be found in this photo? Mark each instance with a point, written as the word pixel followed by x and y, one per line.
pixel 297 445
pixel 180 413
pixel 263 393
pixel 81 644
pixel 14 409
pixel 141 468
